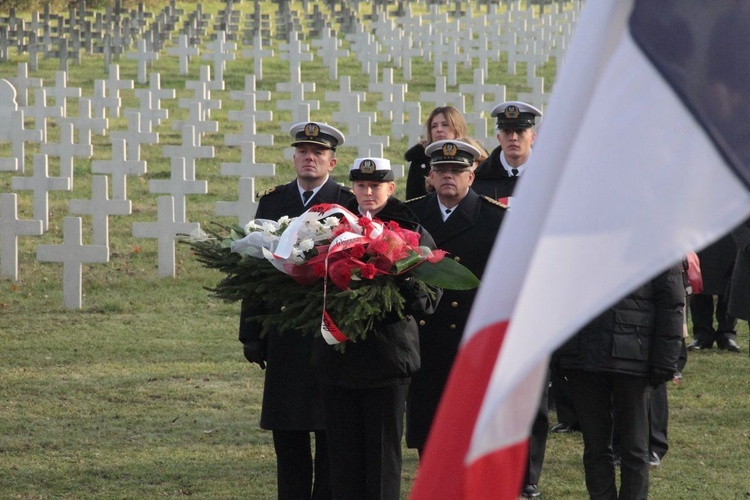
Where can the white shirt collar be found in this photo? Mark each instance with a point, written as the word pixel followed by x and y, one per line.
pixel 508 168
pixel 314 190
pixel 445 212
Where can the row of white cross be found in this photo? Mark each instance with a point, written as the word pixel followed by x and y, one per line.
pixel 171 211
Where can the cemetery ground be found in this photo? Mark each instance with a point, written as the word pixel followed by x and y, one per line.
pixel 144 392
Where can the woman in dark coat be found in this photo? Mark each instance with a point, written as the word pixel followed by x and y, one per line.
pixel 364 387
pixel 445 122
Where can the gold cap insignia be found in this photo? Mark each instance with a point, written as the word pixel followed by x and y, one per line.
pixel 367 167
pixel 312 130
pixel 449 149
pixel 512 112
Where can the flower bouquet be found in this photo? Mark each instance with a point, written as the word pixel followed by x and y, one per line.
pixel 327 271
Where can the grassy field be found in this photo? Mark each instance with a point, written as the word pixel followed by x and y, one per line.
pixel 144 392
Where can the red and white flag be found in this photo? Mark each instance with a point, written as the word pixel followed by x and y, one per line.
pixel 644 155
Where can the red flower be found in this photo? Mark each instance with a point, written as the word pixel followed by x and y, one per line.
pixel 368 271
pixel 357 251
pixel 319 269
pixel 341 273
pixel 378 247
pixel 393 225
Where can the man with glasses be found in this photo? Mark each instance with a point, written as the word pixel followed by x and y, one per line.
pixel 465 225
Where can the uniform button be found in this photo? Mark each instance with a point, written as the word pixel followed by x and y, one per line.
pixel 454 304
pixel 457 258
pixel 421 322
pixel 283 308
pixel 453 326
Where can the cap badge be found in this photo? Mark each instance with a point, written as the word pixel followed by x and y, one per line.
pixel 449 149
pixel 367 167
pixel 312 130
pixel 512 112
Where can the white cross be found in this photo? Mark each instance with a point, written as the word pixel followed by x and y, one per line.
pixel 441 96
pixel 60 92
pixel 178 185
pixel 73 254
pixel 113 87
pixel 119 168
pixel 100 102
pixel 183 50
pixel 100 207
pixel 143 57
pixel 245 207
pixel 202 93
pixel 196 119
pixel 223 51
pixel 11 227
pixel 257 53
pixel 18 136
pixel 40 111
pixel 190 150
pixel 41 184
pixel 166 230
pixel 150 99
pixel 23 83
pixel 247 165
pixel 67 149
pixel 86 123
pixel 134 136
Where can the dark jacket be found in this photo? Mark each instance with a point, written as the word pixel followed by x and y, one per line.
pixel 419 170
pixel 389 355
pixel 739 294
pixel 290 393
pixel 491 179
pixel 717 261
pixel 468 236
pixel 640 335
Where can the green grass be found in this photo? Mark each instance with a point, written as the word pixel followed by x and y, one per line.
pixel 144 391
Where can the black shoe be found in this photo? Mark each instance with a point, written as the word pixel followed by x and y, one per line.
pixel 561 428
pixel 653 459
pixel 530 491
pixel 699 345
pixel 729 345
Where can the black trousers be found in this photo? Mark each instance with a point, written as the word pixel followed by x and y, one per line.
pixel 605 402
pixel 365 427
pixel 560 395
pixel 295 468
pixel 702 312
pixel 538 438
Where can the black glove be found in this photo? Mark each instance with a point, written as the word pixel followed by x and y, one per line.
pixel 253 351
pixel 658 376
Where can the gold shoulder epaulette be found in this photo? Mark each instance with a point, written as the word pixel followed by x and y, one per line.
pixel 494 202
pixel 269 191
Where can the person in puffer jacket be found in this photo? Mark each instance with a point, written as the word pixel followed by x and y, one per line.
pixel 611 365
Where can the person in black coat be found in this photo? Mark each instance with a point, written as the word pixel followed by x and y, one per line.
pixel 444 122
pixel 291 401
pixel 364 386
pixel 465 225
pixel 739 293
pixel 717 262
pixel 496 176
pixel 611 365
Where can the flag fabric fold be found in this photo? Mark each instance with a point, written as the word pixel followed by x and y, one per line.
pixel 625 180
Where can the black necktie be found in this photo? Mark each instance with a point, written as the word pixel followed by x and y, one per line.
pixel 306 197
pixel 514 171
pixel 448 210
